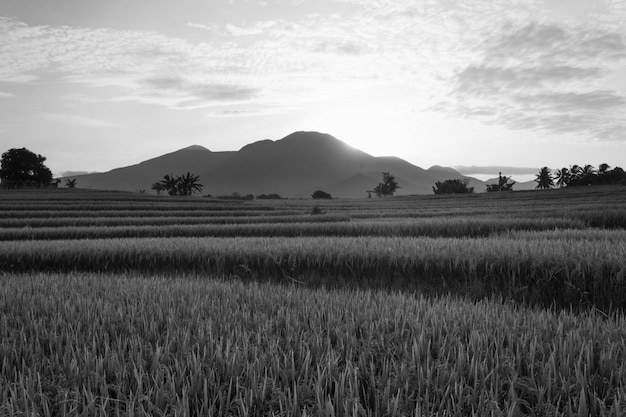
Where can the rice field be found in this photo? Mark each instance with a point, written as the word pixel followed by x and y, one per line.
pixel 503 304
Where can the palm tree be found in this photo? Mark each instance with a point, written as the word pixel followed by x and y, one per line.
pixel 169 184
pixel 71 183
pixel 562 177
pixel 588 171
pixel 604 174
pixel 575 172
pixel 188 184
pixel 603 169
pixel 544 179
pixel 158 187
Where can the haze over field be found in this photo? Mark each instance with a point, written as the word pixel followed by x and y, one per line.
pixel 95 86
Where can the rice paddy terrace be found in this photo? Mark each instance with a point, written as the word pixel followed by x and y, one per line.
pixel 486 304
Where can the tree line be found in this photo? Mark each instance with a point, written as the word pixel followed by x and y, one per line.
pixel 579 175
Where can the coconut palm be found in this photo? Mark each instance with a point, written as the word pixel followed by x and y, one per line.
pixel 603 169
pixel 188 184
pixel 71 183
pixel 588 171
pixel 575 172
pixel 544 179
pixel 169 184
pixel 562 177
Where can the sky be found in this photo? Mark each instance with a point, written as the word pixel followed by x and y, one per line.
pixel 96 85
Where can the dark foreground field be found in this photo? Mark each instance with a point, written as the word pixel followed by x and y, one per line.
pixel 494 304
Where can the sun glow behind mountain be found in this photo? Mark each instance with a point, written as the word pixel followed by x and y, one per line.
pixel 433 82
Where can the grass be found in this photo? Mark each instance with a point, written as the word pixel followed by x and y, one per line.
pixel 500 304
pixel 93 344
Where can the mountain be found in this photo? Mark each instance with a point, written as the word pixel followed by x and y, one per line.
pixel 294 166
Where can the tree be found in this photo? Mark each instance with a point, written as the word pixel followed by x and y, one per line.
pixel 455 186
pixel 158 187
pixel 618 176
pixel 71 183
pixel 23 168
pixel 387 187
pixel 184 185
pixel 319 194
pixel 562 177
pixel 169 184
pixel 189 184
pixel 544 179
pixel 504 184
pixel 586 175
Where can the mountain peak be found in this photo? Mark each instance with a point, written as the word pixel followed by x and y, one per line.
pixel 195 148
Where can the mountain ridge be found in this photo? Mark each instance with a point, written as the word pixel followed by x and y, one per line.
pixel 293 166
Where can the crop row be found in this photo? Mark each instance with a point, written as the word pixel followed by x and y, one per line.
pixel 154 212
pixel 561 272
pixel 314 226
pixel 103 345
pixel 55 222
pixel 166 205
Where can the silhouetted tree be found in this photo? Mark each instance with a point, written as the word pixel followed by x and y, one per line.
pixel 23 168
pixel 184 185
pixel 321 195
pixel 188 184
pixel 504 184
pixel 169 184
pixel 544 179
pixel 158 187
pixel 587 175
pixel 454 186
pixel 269 197
pixel 71 183
pixel 388 187
pixel 618 176
pixel 562 177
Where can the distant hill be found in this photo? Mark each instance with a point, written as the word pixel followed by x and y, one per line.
pixel 294 166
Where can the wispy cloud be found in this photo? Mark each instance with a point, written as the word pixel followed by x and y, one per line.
pixel 492 61
pixel 546 77
pixel 6 95
pixel 81 121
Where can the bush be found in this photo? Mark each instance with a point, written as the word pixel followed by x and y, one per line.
pixel 319 194
pixel 455 186
pixel 269 197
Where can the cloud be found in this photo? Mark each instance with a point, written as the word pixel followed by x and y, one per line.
pixel 485 80
pixel 546 77
pixel 197 92
pixel 554 43
pixel 81 121
pixel 6 95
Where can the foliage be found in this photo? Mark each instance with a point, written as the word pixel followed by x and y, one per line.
pixel 316 210
pixel 453 186
pixel 184 185
pixel 71 183
pixel 158 187
pixel 544 179
pixel 576 175
pixel 272 311
pixel 21 168
pixel 319 194
pixel 235 196
pixel 504 184
pixel 102 344
pixel 388 187
pixel 269 197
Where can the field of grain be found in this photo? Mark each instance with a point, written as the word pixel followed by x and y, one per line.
pixel 491 304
